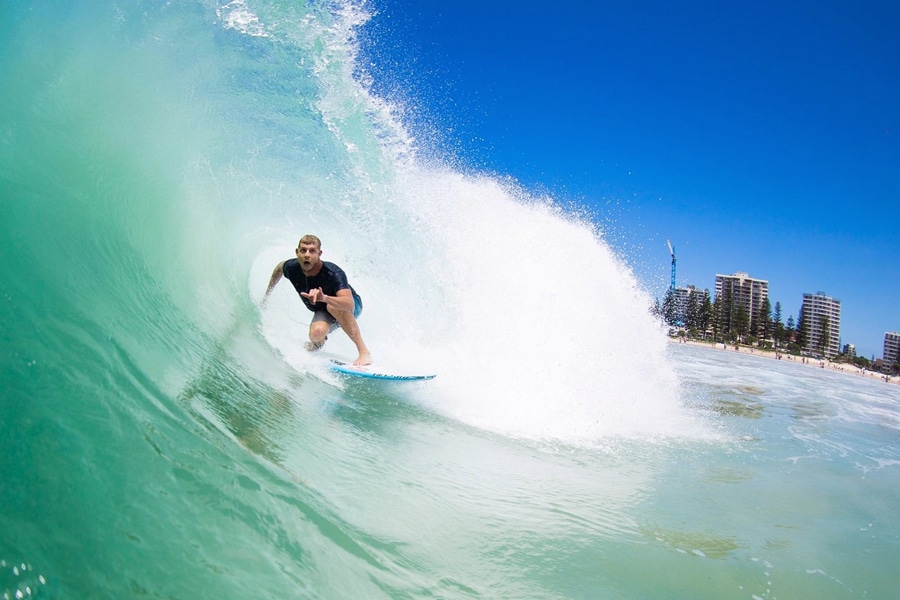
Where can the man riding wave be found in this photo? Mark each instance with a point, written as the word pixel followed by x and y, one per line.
pixel 324 289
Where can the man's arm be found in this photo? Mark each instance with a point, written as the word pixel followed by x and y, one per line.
pixel 273 280
pixel 342 300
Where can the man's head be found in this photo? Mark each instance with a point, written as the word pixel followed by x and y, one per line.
pixel 310 239
pixel 309 249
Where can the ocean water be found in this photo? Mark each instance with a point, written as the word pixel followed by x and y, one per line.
pixel 161 435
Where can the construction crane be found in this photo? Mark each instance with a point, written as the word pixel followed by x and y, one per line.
pixel 672 252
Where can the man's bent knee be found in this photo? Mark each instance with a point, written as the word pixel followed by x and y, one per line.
pixel 318 331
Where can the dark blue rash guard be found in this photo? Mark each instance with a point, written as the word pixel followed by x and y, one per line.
pixel 330 278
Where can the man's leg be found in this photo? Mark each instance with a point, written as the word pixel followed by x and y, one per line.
pixel 348 323
pixel 322 324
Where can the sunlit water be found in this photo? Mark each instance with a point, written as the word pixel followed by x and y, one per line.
pixel 163 436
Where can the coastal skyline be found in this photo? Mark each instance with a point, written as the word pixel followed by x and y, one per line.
pixel 757 138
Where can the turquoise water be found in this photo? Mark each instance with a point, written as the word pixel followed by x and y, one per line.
pixel 163 436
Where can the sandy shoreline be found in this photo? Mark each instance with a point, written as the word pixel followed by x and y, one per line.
pixel 816 363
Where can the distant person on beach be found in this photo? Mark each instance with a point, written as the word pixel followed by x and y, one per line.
pixel 324 289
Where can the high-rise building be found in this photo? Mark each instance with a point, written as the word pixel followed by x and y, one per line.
pixel 682 299
pixel 891 348
pixel 740 293
pixel 821 316
pixel 682 296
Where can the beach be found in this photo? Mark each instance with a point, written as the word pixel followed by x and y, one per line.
pixel 823 364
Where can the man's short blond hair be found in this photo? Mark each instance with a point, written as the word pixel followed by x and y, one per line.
pixel 310 239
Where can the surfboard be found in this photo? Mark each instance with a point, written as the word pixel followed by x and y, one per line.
pixel 374 372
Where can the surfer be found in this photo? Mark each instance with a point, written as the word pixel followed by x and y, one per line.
pixel 324 290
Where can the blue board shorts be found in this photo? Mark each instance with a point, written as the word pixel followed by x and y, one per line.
pixel 324 315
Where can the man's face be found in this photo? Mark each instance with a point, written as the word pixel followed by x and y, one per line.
pixel 308 255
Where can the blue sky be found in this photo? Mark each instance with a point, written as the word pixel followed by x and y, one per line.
pixel 759 137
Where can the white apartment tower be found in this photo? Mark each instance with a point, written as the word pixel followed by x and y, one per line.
pixel 682 298
pixel 891 348
pixel 740 291
pixel 822 321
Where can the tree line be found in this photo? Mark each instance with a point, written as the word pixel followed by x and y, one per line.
pixel 726 320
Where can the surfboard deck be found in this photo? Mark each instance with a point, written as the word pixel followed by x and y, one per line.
pixel 375 372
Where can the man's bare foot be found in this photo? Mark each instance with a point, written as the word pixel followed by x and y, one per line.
pixel 363 359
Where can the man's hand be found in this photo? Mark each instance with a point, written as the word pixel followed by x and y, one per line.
pixel 315 295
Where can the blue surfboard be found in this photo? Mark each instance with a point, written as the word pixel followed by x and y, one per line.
pixel 373 372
